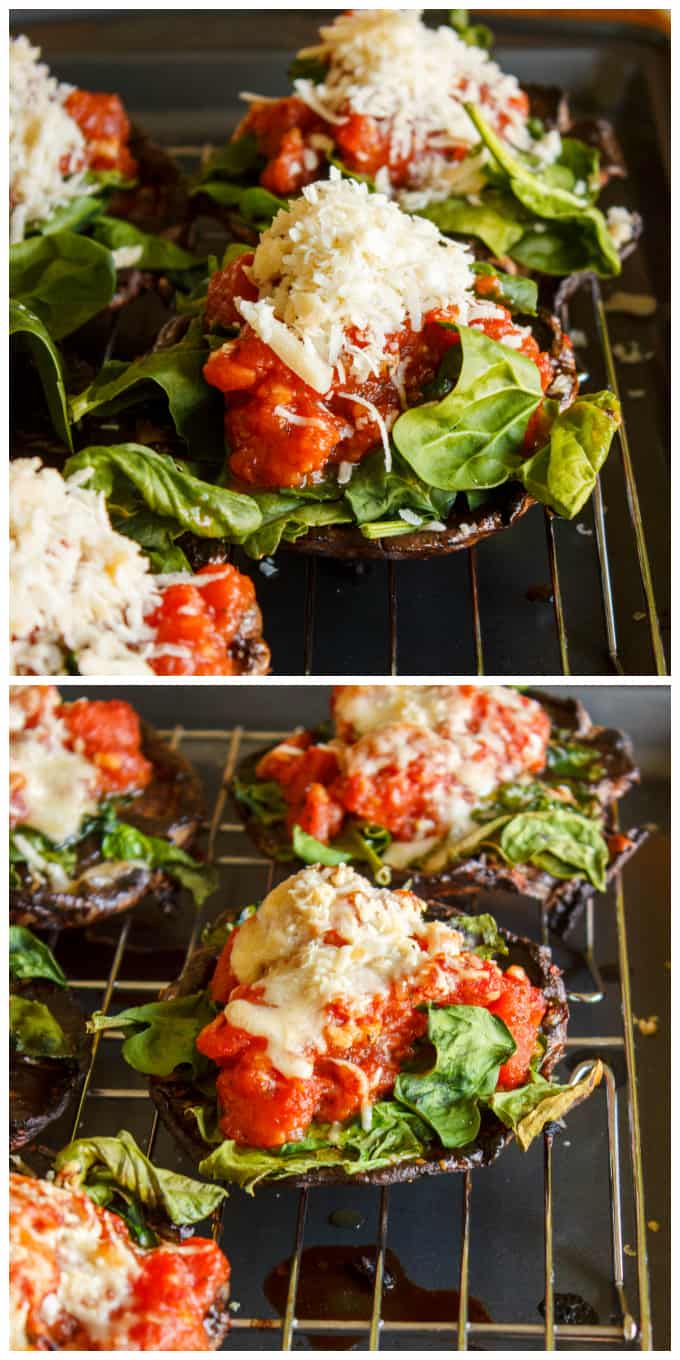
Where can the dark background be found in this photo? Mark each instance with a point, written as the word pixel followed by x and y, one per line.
pixel 644 712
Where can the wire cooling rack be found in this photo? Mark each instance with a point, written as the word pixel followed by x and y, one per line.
pixel 555 1217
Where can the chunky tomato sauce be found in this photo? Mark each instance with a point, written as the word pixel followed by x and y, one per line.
pixel 260 1107
pixel 106 128
pixel 283 433
pixel 200 624
pixel 171 1287
pixel 106 732
pixel 323 784
pixel 287 130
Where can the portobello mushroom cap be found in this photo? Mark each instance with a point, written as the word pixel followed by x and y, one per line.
pixel 41 1088
pixel 563 899
pixel 170 807
pixel 174 1096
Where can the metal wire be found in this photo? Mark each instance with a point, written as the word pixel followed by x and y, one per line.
pixel 223 748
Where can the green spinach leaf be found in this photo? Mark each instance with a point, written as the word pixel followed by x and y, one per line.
pixel 563 473
pixel 162 1034
pixel 528 1109
pixel 482 933
pixel 310 850
pixel 470 1045
pixel 547 200
pixel 513 290
pixel 118 1164
pixel 472 439
pixel 63 278
pixel 162 485
pixel 196 408
pixel 30 957
pixel 374 493
pixel 395 1135
pixel 126 844
pixel 255 204
pixel 263 799
pixel 561 841
pixel 475 35
pixel 33 335
pixel 157 253
pixel 34 1030
pixel 495 218
pixel 308 68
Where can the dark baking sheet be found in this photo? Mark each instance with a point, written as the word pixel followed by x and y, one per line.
pixel 180 74
pixel 506 1263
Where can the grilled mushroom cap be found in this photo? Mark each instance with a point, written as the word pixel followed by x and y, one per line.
pixel 170 807
pixel 563 899
pixel 41 1088
pixel 174 1096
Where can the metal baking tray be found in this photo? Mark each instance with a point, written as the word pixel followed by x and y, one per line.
pixel 464 1261
pixel 588 597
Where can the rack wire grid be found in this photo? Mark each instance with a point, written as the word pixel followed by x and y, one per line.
pixel 547 1218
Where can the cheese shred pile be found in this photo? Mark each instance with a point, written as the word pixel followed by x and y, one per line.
pixel 46 147
pixel 413 80
pixel 77 588
pixel 340 271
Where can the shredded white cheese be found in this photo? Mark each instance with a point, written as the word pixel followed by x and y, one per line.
pixel 414 81
pixel 620 223
pixel 46 146
pixel 342 260
pixel 76 586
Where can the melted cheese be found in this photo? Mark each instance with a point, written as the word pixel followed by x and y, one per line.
pixel 340 260
pixel 43 139
pixel 386 727
pixel 73 1265
pixel 76 586
pixel 282 951
pixel 57 787
pixel 414 81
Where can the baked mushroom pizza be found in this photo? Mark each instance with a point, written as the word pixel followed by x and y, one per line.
pixel 88 193
pixel 457 787
pixel 84 599
pixel 102 810
pixel 388 394
pixel 100 1259
pixel 349 1036
pixel 428 118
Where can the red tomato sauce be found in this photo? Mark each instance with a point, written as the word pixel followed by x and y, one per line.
pixel 108 732
pixel 285 129
pixel 106 128
pixel 387 794
pixel 169 1296
pixel 265 401
pixel 260 1107
pixel 202 622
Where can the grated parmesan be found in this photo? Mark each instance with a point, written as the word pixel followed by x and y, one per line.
pixel 341 260
pixel 414 81
pixel 43 140
pixel 76 586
